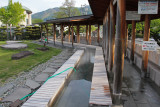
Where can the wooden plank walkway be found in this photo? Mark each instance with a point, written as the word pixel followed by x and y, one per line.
pixel 50 90
pixel 100 91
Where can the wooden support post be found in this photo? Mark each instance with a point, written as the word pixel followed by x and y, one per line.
pixel 54 33
pixel 69 33
pixel 145 54
pixel 133 41
pixel 111 38
pixel 119 48
pixel 78 36
pixel 62 33
pixel 72 35
pixel 107 36
pixel 41 30
pixel 89 34
pixel 46 26
pixel 98 34
pixel 126 39
pixel 104 35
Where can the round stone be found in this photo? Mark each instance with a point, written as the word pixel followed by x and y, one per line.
pixel 15 46
pixel 13 42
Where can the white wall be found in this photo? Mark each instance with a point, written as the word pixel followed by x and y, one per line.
pixel 28 17
pixel 0 23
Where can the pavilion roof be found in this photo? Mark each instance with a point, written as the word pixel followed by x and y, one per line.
pixel 82 20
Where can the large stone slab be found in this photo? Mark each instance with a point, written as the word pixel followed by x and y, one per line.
pixel 41 78
pixel 21 55
pixel 32 84
pixel 13 42
pixel 49 70
pixel 5 89
pixel 18 94
pixel 15 46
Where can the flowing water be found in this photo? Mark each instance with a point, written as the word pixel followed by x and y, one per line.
pixel 77 91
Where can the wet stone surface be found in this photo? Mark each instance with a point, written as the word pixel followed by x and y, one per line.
pixel 137 92
pixel 12 84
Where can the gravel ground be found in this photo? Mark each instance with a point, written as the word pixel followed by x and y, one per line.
pixel 20 79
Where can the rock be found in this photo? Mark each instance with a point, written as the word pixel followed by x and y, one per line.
pixel 49 70
pixel 32 84
pixel 15 46
pixel 41 78
pixel 17 94
pixel 21 55
pixel 5 89
pixel 43 49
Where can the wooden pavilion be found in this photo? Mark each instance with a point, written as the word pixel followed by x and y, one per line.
pixel 110 13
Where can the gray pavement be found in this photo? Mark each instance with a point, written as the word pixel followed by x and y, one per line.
pixel 138 92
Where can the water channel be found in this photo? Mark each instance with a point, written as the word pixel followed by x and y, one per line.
pixel 77 91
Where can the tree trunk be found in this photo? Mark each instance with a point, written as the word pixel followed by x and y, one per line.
pixel 10 31
pixel 7 31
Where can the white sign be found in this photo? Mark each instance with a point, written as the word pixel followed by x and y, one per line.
pixel 149 46
pixel 148 7
pixel 133 15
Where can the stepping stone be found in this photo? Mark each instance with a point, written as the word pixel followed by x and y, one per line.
pixel 5 89
pixel 59 61
pixel 18 94
pixel 41 78
pixel 32 84
pixel 49 70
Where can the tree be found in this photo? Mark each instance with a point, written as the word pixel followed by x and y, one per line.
pixel 13 14
pixel 68 9
pixel 37 21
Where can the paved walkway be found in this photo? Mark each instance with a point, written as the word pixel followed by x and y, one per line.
pixel 138 92
pixel 27 82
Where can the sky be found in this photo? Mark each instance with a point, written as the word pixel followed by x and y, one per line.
pixel 41 5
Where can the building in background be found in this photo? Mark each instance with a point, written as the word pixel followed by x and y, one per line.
pixel 28 18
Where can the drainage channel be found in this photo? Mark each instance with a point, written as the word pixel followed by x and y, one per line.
pixel 77 90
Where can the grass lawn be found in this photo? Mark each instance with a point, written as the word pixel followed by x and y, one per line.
pixel 9 67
